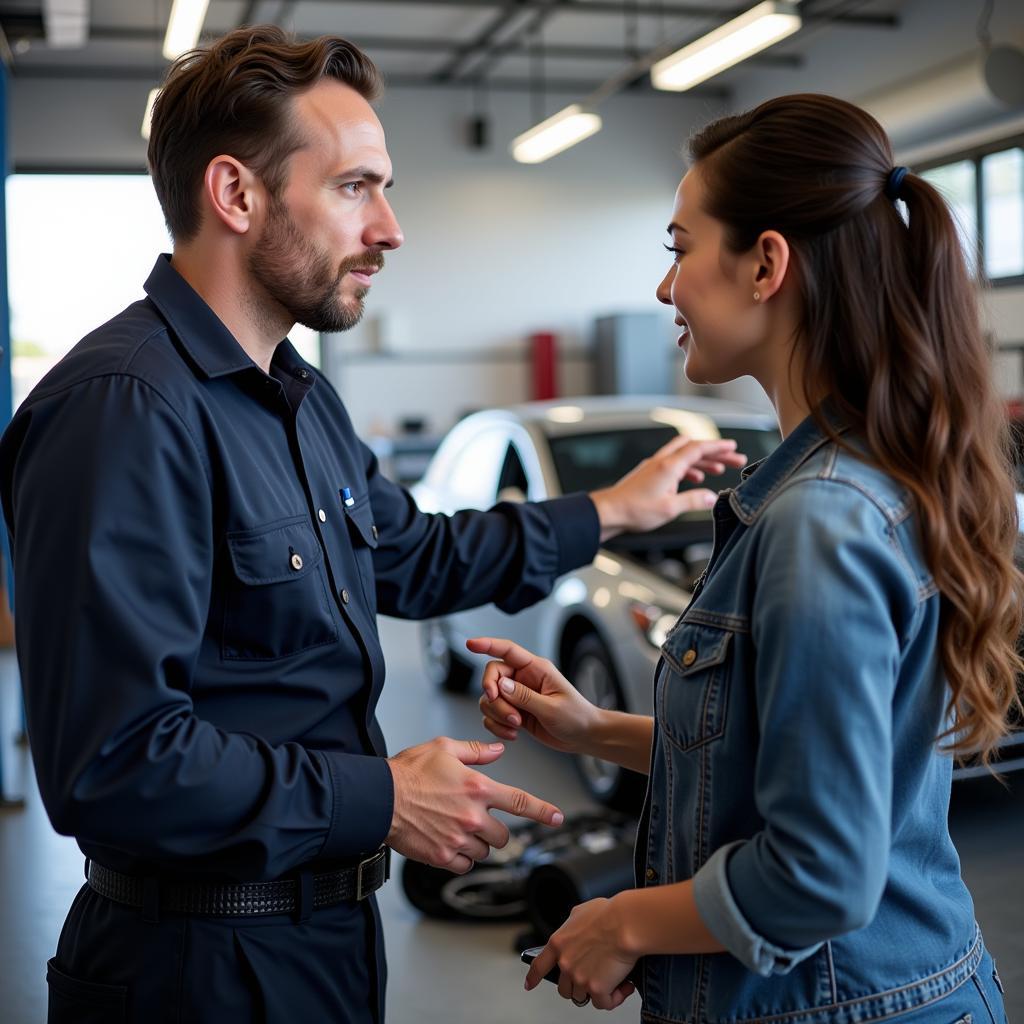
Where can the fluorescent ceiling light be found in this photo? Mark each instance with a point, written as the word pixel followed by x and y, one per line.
pixel 184 26
pixel 558 132
pixel 66 23
pixel 756 30
pixel 147 117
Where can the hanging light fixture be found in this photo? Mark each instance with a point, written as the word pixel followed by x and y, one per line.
pixel 757 29
pixel 560 131
pixel 184 26
pixel 557 133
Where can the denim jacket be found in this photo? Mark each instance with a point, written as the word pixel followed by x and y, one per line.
pixel 795 773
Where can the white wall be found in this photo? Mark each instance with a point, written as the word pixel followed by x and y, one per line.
pixel 494 250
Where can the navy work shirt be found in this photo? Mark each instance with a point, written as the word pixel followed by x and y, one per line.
pixel 197 599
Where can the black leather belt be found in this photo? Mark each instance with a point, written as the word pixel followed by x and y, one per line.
pixel 245 899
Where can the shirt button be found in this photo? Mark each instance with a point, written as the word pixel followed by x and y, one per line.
pixel 652 875
pixel 296 562
pixel 302 374
pixel 344 597
pixel 689 657
pixel 321 515
pixel 373 530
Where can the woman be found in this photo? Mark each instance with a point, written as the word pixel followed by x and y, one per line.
pixel 855 627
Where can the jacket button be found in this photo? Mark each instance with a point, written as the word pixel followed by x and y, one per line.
pixel 652 875
pixel 344 597
pixel 296 561
pixel 321 515
pixel 689 657
pixel 373 530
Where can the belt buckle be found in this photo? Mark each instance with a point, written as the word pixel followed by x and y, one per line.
pixel 370 862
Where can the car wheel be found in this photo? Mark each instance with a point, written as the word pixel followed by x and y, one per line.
pixel 444 667
pixel 592 672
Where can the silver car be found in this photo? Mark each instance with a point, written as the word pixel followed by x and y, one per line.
pixel 603 624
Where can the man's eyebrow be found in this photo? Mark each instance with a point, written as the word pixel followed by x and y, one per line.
pixel 366 174
pixel 676 227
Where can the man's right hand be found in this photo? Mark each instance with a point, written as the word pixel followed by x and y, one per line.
pixel 442 808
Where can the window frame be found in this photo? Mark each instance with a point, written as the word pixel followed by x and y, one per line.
pixel 975 155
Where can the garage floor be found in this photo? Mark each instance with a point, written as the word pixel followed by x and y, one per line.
pixel 446 972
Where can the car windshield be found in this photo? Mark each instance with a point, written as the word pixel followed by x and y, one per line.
pixel 586 462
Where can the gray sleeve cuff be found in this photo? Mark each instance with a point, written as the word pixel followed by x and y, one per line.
pixel 725 920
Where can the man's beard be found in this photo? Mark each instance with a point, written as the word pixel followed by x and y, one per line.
pixel 303 278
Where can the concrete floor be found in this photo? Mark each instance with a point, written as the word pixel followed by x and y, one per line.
pixel 444 972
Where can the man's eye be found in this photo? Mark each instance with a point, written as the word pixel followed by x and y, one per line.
pixel 678 253
pixel 353 187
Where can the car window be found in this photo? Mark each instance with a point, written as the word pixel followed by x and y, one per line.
pixel 513 473
pixel 585 462
pixel 473 476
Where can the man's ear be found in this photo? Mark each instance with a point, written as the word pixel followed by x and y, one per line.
pixel 770 258
pixel 232 192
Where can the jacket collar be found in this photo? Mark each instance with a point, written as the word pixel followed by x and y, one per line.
pixel 762 479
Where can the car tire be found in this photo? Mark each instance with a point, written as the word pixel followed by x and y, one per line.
pixel 591 670
pixel 444 667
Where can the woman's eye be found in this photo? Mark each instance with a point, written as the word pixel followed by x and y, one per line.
pixel 676 252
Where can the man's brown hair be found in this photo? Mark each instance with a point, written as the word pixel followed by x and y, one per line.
pixel 235 97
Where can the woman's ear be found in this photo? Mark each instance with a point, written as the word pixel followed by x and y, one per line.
pixel 230 190
pixel 770 264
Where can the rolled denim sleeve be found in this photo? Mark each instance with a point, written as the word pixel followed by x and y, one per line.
pixel 834 597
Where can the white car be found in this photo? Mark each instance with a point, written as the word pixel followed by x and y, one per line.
pixel 603 624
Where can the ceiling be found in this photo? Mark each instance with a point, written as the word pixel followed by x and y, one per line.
pixel 558 45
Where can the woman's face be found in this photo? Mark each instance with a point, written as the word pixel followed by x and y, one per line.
pixel 712 291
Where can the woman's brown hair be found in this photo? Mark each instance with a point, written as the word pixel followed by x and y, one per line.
pixel 890 331
pixel 235 97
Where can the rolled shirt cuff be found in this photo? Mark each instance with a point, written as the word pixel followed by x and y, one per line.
pixel 577 529
pixel 724 919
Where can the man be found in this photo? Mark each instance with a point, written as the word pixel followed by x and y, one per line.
pixel 201 545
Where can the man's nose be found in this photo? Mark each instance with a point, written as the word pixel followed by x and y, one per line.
pixel 383 231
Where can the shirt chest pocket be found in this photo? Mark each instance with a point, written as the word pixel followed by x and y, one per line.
pixel 276 600
pixel 692 699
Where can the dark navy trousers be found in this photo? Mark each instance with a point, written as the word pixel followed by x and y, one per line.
pixel 205 970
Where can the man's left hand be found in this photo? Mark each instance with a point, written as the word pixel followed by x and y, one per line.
pixel 648 496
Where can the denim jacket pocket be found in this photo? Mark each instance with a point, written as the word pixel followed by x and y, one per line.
pixel 692 691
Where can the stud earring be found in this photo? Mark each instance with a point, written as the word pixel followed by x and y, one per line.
pixel 757 296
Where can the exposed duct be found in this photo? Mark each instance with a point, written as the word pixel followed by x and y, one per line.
pixel 944 101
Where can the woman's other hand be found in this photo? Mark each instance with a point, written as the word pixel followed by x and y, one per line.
pixel 523 691
pixel 589 952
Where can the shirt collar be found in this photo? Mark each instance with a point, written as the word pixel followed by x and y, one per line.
pixel 211 346
pixel 760 480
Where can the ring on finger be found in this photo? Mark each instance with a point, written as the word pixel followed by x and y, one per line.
pixel 581 1002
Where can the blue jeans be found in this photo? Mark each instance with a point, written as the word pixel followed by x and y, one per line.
pixel 978 1001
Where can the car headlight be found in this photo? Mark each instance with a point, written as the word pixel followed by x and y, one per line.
pixel 653 621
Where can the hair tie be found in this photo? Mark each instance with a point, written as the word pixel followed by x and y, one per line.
pixel 894 183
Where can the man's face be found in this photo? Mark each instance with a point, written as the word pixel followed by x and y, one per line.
pixel 324 237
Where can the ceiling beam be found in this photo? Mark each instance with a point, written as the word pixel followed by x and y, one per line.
pixel 643 9
pixel 154 76
pixel 420 44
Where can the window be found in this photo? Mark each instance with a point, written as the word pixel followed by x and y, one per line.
pixel 958 185
pixel 1002 185
pixel 79 248
pixel 985 191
